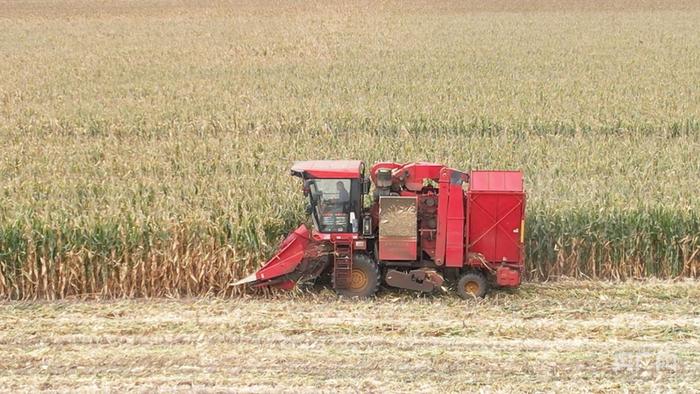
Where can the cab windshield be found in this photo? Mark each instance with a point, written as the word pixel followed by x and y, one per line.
pixel 332 205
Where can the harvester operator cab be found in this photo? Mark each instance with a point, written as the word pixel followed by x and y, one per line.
pixel 335 189
pixel 335 204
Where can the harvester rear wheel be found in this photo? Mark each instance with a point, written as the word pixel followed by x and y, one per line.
pixel 364 278
pixel 472 285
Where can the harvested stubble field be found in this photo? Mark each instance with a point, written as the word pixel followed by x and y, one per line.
pixel 145 146
pixel 565 337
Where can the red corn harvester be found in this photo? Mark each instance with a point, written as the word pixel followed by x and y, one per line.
pixel 426 222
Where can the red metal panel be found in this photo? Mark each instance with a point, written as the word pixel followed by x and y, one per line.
pixel 496 181
pixel 449 245
pixel 496 210
pixel 329 168
pixel 507 277
pixel 319 236
pixel 398 248
pixel 454 250
pixel 441 237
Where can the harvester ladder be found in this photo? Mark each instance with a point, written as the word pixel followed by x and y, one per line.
pixel 342 264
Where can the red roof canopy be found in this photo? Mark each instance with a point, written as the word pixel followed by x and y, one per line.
pixel 328 168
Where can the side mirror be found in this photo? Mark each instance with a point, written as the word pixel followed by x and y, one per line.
pixel 307 187
pixel 367 226
pixel 309 209
pixel 366 183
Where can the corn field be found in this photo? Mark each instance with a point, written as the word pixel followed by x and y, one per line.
pixel 146 146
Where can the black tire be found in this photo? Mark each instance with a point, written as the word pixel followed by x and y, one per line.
pixel 365 273
pixel 472 285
